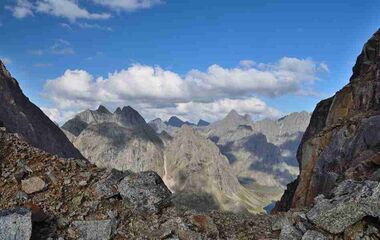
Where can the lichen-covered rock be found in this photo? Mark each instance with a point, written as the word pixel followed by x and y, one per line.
pixel 289 232
pixel 145 191
pixel 15 224
pixel 351 202
pixel 95 230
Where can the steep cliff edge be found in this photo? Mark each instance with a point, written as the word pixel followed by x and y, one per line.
pixel 21 116
pixel 343 138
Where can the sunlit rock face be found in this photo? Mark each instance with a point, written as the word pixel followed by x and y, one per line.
pixel 342 140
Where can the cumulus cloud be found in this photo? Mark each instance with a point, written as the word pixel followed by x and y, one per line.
pixel 288 75
pixel 23 8
pixel 128 5
pixel 56 115
pixel 67 9
pixel 208 94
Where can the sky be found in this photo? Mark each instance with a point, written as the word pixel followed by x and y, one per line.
pixel 190 58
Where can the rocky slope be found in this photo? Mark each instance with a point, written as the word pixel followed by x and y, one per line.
pixel 21 116
pixel 47 197
pixel 193 164
pixel 342 141
pixel 121 140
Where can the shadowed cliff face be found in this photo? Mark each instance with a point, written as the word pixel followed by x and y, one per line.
pixel 21 116
pixel 343 138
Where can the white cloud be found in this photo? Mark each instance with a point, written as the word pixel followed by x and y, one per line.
pixel 67 9
pixel 288 75
pixel 210 94
pixel 247 63
pixel 23 8
pixel 56 115
pixel 128 5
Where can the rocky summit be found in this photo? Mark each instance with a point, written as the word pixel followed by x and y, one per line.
pixel 21 116
pixel 121 140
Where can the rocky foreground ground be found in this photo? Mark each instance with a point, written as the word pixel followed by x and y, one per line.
pixel 47 197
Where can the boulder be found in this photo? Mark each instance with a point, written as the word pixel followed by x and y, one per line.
pixel 351 202
pixel 15 224
pixel 33 185
pixel 145 191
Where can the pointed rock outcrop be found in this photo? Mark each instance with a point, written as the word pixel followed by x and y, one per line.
pixel 21 116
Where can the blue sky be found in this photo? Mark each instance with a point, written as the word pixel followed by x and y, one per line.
pixel 189 58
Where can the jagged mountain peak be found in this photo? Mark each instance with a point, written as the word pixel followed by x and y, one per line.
pixel 233 114
pixel 175 121
pixel 118 110
pixel 103 109
pixel 130 116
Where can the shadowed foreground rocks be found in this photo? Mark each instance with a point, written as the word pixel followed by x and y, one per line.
pixel 81 201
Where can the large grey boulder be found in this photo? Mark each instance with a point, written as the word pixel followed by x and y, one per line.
pixel 145 191
pixel 351 202
pixel 15 224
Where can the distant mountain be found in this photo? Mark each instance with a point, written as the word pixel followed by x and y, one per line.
pixel 21 116
pixel 202 123
pixel 159 126
pixel 121 140
pixel 262 154
pixel 177 122
pixel 193 164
